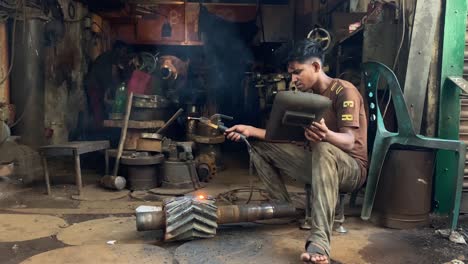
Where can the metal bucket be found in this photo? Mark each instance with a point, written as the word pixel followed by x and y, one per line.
pixel 404 193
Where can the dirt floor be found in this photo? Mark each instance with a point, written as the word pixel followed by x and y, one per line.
pixel 99 227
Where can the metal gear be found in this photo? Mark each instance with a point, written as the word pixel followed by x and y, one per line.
pixel 206 167
pixel 190 218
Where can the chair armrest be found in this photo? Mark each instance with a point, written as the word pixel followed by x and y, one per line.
pixel 460 82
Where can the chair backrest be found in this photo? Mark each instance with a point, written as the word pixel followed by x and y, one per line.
pixel 373 71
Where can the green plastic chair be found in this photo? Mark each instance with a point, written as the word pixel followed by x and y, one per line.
pixel 406 136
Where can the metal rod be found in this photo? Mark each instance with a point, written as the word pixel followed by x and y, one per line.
pixel 155 220
pixel 170 121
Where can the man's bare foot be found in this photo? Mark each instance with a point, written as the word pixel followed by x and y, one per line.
pixel 314 258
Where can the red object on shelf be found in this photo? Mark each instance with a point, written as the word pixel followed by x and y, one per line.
pixel 139 83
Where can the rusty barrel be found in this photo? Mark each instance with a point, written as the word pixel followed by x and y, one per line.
pixel 403 198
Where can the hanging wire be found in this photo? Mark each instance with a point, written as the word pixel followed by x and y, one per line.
pixel 395 62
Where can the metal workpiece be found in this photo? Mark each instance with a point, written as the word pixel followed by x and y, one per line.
pixel 143 170
pixel 150 107
pixel 206 167
pixel 192 217
pixel 149 218
pixel 209 139
pixel 180 174
pixel 150 101
pixel 251 212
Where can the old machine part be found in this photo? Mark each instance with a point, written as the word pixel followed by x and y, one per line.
pixel 150 107
pixel 113 182
pixel 153 141
pixel 179 170
pixel 206 167
pixel 209 149
pixel 180 175
pixel 147 62
pixel 218 125
pixel 292 111
pixel 193 217
pixel 143 170
pixel 268 86
pixel 172 73
pixel 321 36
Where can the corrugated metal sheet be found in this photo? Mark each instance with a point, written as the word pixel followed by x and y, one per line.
pixel 464 127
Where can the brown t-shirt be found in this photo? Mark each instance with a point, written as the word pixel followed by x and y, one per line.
pixel 348 111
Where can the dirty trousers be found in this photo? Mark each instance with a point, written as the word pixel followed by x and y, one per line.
pixel 328 170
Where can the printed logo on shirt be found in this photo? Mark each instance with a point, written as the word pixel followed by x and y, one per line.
pixel 348 104
pixel 347 117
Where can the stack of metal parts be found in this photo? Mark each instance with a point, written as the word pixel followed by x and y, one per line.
pixel 208 140
pixel 150 107
pixel 143 170
pixel 179 170
pixel 194 217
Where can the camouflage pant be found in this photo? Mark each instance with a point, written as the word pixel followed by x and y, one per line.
pixel 327 168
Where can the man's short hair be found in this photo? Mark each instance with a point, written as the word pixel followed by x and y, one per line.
pixel 305 50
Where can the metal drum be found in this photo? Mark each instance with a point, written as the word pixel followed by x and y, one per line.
pixel 403 198
pixel 150 107
pixel 143 171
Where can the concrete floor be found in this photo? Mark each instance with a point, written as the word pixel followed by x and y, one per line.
pixel 37 228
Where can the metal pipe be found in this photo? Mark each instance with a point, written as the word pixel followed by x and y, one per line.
pixel 170 121
pixel 153 220
pixel 4 65
pixel 250 212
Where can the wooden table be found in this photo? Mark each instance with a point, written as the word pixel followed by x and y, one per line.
pixel 74 149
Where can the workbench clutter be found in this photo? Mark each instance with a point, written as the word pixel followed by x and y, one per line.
pixel 149 158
